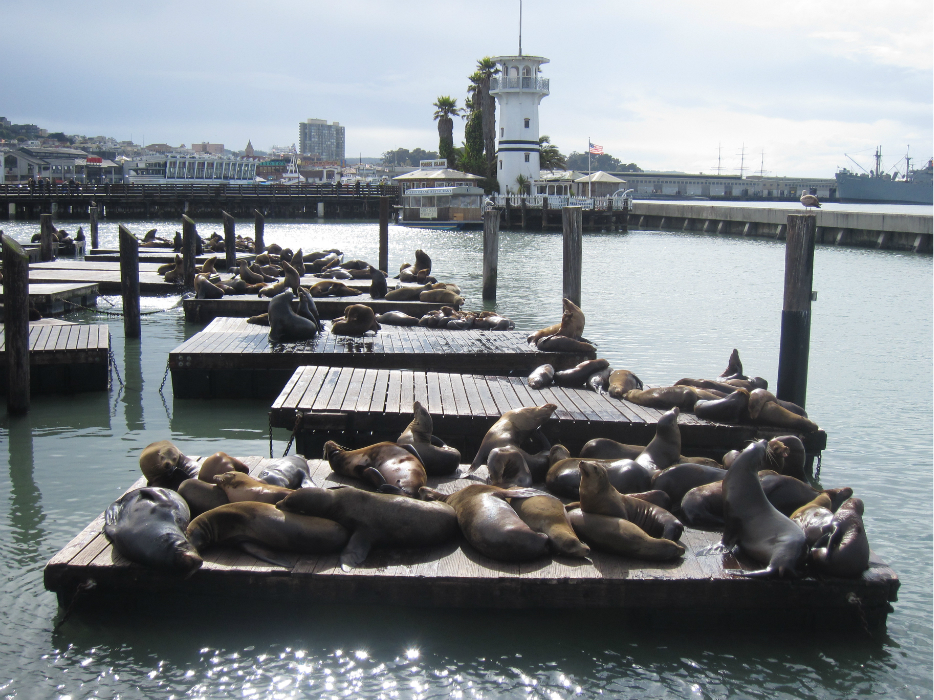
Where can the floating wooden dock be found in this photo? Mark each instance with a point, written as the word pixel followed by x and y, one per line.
pixel 242 306
pixel 50 298
pixel 162 256
pixel 64 357
pixel 357 407
pixel 457 576
pixel 231 358
pixel 107 281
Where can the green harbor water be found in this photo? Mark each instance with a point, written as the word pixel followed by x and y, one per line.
pixel 665 306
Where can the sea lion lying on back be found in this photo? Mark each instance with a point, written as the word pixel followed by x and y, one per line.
pixel 388 467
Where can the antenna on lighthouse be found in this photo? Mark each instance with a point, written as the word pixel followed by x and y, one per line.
pixel 520 27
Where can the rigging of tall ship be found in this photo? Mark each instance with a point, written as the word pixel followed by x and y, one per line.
pixel 913 187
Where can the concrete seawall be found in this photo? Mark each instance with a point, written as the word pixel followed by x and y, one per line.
pixel 860 229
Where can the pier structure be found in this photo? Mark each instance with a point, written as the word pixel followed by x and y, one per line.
pixel 539 212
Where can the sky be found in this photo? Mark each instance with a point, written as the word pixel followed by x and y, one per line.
pixel 668 85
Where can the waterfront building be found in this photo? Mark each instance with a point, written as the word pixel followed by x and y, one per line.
pixel 189 169
pixel 56 164
pixel 519 89
pixel 599 184
pixel 322 140
pixel 205 147
pixel 668 184
pixel 435 173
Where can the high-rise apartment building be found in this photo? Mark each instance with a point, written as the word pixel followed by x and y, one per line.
pixel 321 140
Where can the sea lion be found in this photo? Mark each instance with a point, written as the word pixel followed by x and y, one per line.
pixel 665 448
pixel 284 324
pixel 571 325
pixel 357 320
pixel 291 280
pixel 793 457
pixel 758 397
pixel 576 376
pixel 546 514
pixel 219 463
pixel 619 536
pixel 755 525
pixel 441 296
pixel 207 267
pixel 243 487
pixel 389 467
pixel 734 368
pixel 541 377
pixel 422 261
pixel 438 458
pixel 626 476
pixel 846 550
pixel 814 519
pixel 147 526
pixel 201 497
pixel 678 479
pixel 598 496
pixel 248 276
pixel 259 320
pixel 162 269
pixel 709 384
pixel 599 381
pixel 493 527
pixel 604 448
pixel 666 397
pixel 730 409
pixel 163 464
pixel 307 307
pixel 205 289
pixel 378 287
pixel 562 343
pixel 298 261
pixel 254 527
pixel 177 274
pixel 508 468
pixel 288 472
pixel 376 519
pixel 763 411
pixel 512 428
pixel 407 293
pixel 396 318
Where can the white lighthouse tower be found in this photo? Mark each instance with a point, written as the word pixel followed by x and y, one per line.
pixel 519 88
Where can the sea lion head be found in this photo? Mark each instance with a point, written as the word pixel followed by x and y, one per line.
pixel 776 453
pixel 421 421
pixel 594 478
pixel 557 453
pixel 532 417
pixel 312 500
pixel 159 459
pixel 572 320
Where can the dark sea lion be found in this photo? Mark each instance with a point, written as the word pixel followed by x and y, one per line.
pixel 254 527
pixel 626 476
pixel 407 293
pixel 571 325
pixel 438 458
pixel 846 550
pixel 734 368
pixel 787 493
pixel 656 497
pixel 378 287
pixel 598 496
pixel 422 261
pixel 243 487
pixel 814 519
pixel 753 524
pixel 147 526
pixel 163 464
pixel 219 463
pixel 205 289
pixel 389 467
pixel 288 472
pixel 357 320
pixel 599 381
pixel 162 269
pixel 541 377
pixel 730 409
pixel 546 514
pixel 702 506
pixel 665 448
pixel 307 307
pixel 604 448
pixel 667 397
pixel 376 519
pixel 793 457
pixel 284 324
pixel 493 527
pixel 619 536
pixel 677 480
pixel 248 276
pixel 621 381
pixel 512 428
pixel 576 376
pixel 508 468
pixel 396 318
pixel 298 261
pixel 201 497
pixel 562 343
pixel 763 411
pixel 442 296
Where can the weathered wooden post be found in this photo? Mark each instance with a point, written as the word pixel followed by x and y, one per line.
pixel 46 236
pixel 16 325
pixel 188 250
pixel 384 234
pixel 230 240
pixel 796 311
pixel 490 252
pixel 544 212
pixel 571 222
pixel 259 223
pixel 129 281
pixel 92 210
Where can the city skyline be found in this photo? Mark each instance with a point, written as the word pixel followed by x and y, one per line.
pixel 662 86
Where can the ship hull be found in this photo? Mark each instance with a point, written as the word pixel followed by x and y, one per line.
pixel 853 188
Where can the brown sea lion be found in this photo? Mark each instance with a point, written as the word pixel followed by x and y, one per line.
pixel 562 343
pixel 541 377
pixel 205 289
pixel 598 496
pixel 626 476
pixel 177 274
pixel 730 409
pixel 620 536
pixel 163 464
pixel 396 318
pixel 571 325
pixel 709 384
pixel 291 280
pixel 219 463
pixel 793 457
pixel 201 497
pixel 207 267
pixel 162 269
pixel 846 549
pixel 734 368
pixel 248 276
pixel 678 479
pixel 422 261
pixel 546 514
pixel 665 448
pixel 512 428
pixel 666 397
pixel 508 468
pixel 441 296
pixel 407 293
pixel 389 467
pixel 764 411
pixel 621 381
pixel 438 458
pixel 375 519
pixel 243 487
pixel 576 376
pixel 604 448
pixel 357 320
pixel 814 518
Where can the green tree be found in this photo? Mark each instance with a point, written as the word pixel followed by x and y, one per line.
pixel 550 158
pixel 486 69
pixel 604 161
pixel 522 184
pixel 445 110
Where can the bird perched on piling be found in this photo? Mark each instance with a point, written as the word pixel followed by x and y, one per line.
pixel 809 200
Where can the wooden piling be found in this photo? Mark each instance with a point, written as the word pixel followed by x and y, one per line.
pixel 129 281
pixel 796 311
pixel 544 212
pixel 384 234
pixel 46 236
pixel 490 253
pixel 259 223
pixel 230 240
pixel 92 210
pixel 571 222
pixel 16 325
pixel 189 248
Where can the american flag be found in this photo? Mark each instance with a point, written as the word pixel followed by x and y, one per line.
pixel 596 150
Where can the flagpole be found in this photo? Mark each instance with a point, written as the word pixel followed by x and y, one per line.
pixel 589 185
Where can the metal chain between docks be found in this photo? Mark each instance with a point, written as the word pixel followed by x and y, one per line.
pixel 164 376
pixel 270 435
pixel 299 415
pixel 113 365
pixel 820 456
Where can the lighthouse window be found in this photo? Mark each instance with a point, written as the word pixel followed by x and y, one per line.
pixel 502 131
pixel 526 157
pixel 501 165
pixel 527 121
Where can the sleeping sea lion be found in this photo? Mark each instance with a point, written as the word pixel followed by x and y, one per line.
pixel 441 296
pixel 541 377
pixel 576 376
pixel 389 467
pixel 678 479
pixel 619 536
pixel 438 458
pixel 764 411
pixel 666 397
pixel 407 293
pixel 396 318
pixel 730 409
pixel 288 472
pixel 201 497
pixel 599 381
pixel 219 463
pixel 243 487
pixel 357 320
pixel 845 552
pixel 546 514
pixel 605 448
pixel 163 464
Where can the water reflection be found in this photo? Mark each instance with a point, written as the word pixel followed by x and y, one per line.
pixel 26 515
pixel 133 384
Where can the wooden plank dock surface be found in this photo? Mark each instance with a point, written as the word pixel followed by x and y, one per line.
pixel 233 358
pixel 358 406
pixel 50 298
pixel 243 306
pixel 455 575
pixel 107 281
pixel 64 357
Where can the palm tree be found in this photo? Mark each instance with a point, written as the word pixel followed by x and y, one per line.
pixel 486 69
pixel 445 109
pixel 522 183
pixel 550 158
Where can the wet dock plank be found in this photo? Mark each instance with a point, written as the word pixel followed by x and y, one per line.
pixel 64 357
pixel 244 306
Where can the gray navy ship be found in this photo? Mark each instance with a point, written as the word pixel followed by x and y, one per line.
pixel 917 186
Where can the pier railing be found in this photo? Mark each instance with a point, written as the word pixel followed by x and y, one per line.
pixel 22 191
pixel 555 201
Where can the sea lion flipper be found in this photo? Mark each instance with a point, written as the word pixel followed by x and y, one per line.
pixel 411 448
pixel 438 442
pixel 356 550
pixel 374 475
pixel 267 555
pixel 392 490
pixel 307 482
